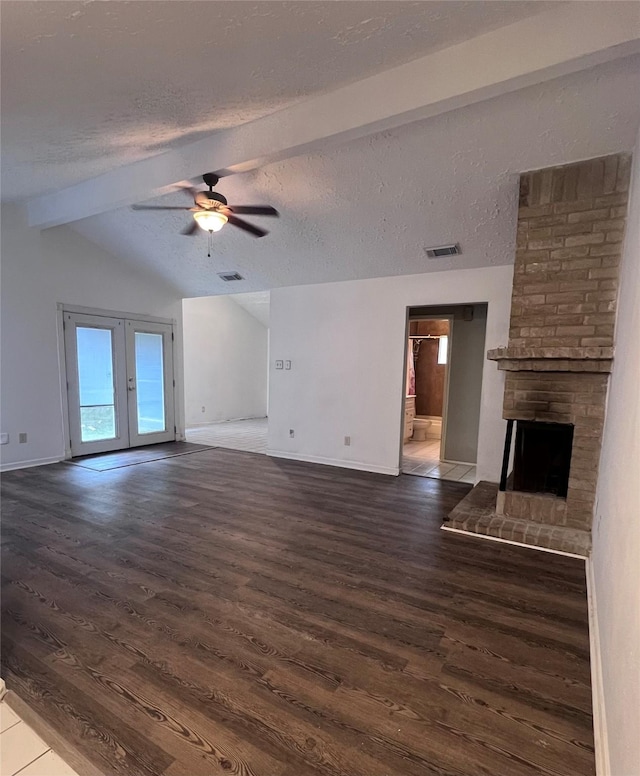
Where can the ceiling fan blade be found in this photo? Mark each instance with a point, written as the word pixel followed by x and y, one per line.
pixel 185 186
pixel 190 228
pixel 201 199
pixel 158 207
pixel 254 230
pixel 254 210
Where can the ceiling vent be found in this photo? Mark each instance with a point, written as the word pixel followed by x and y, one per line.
pixel 441 251
pixel 229 276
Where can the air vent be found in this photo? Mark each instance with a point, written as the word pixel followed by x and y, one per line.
pixel 443 250
pixel 229 276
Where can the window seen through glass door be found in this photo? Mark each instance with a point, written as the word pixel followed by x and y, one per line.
pixel 150 382
pixel 96 385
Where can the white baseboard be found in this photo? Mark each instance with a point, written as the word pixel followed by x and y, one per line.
pixel 357 465
pixel 601 739
pixel 475 535
pixel 9 467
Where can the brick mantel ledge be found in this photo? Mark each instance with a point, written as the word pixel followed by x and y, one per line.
pixel 552 359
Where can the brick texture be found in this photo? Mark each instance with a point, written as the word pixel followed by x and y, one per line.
pixel 571 223
pixel 477 513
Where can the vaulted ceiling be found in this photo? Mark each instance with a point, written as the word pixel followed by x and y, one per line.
pixel 375 128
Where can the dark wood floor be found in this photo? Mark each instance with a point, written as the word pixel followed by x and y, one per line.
pixel 226 612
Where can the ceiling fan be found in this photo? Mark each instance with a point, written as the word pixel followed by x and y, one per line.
pixel 211 211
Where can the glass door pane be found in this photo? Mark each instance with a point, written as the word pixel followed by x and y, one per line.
pixel 96 384
pixel 96 371
pixel 150 382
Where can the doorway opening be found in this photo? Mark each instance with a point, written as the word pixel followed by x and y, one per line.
pixel 443 382
pixel 226 370
pixel 427 375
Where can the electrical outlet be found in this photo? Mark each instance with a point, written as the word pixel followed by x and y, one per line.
pixel 279 364
pixel 203 409
pixel 292 433
pixel 347 441
pixel 22 438
pixel 4 439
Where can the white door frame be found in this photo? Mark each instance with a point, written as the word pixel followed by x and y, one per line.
pixel 168 434
pixel 63 308
pixel 73 321
pixel 445 398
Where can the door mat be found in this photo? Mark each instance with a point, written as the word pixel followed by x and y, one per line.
pixel 117 460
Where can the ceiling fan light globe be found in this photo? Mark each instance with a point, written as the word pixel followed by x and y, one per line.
pixel 210 220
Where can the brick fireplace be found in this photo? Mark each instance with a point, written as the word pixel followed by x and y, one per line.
pixel 571 222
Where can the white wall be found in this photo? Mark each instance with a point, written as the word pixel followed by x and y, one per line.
pixel 346 342
pixel 225 361
pixel 39 270
pixel 616 534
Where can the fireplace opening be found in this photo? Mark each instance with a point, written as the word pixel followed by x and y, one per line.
pixel 542 457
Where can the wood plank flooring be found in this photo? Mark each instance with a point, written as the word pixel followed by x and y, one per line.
pixel 228 613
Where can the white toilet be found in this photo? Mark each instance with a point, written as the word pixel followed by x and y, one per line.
pixel 420 429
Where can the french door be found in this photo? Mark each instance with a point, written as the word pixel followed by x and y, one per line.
pixel 119 382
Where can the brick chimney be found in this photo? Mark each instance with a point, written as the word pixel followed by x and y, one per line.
pixel 571 223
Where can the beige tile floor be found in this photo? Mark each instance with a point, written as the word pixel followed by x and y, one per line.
pixel 248 435
pixel 423 460
pixel 23 752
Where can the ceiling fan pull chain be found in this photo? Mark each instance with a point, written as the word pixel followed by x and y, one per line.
pixel 209 241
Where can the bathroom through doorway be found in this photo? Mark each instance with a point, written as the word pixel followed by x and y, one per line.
pixel 443 381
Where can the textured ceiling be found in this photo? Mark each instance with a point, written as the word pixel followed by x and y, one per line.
pixel 90 86
pixel 367 208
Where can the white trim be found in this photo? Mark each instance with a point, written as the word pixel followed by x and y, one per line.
pixel 447 389
pixel 62 374
pixel 164 330
pixel 509 541
pixel 67 314
pixel 9 467
pixel 600 736
pixel 117 356
pixel 358 465
pixel 74 308
pixel 3 689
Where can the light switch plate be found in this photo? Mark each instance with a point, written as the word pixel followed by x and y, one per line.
pixel 4 439
pixel 287 364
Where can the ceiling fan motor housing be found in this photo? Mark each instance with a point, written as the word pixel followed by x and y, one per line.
pixel 215 197
pixel 210 179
